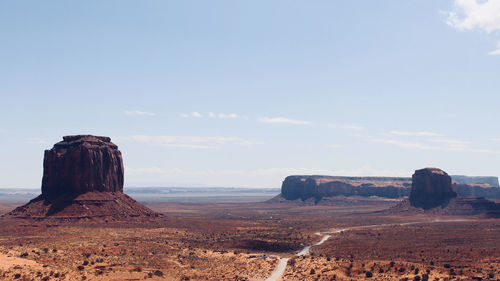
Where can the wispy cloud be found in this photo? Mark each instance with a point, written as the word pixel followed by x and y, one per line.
pixel 283 120
pixel 137 113
pixel 277 173
pixel 230 115
pixel 210 115
pixel 344 127
pixel 495 52
pixel 432 143
pixel 481 15
pixel 400 143
pixel 416 134
pixel 186 141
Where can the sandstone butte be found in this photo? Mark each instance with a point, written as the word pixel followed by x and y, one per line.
pixel 83 179
pixel 433 192
pixel 431 187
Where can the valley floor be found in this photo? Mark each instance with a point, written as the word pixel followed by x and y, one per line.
pixel 245 241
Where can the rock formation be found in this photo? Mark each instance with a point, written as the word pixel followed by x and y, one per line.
pixel 430 188
pixel 80 164
pixel 318 187
pixel 433 193
pixel 83 179
pixel 476 181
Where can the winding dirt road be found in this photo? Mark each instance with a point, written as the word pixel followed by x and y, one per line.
pixel 280 269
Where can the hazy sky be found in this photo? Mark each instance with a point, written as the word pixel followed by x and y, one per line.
pixel 243 93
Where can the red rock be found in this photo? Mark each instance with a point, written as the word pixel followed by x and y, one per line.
pixel 430 188
pixel 83 179
pixel 80 164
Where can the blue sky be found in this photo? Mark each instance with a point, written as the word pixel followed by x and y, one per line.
pixel 243 93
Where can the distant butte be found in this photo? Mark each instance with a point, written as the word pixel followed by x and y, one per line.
pixel 433 192
pixel 431 187
pixel 83 179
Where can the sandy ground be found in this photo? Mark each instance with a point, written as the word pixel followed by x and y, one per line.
pixel 7 262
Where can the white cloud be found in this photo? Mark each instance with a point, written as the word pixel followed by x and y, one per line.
pixel 416 134
pixel 210 115
pixel 448 141
pixel 481 15
pixel 352 127
pixel 230 115
pixel 447 144
pixel 497 51
pixel 283 120
pixel 196 114
pixel 399 143
pixel 186 141
pixel 137 113
pixel 494 139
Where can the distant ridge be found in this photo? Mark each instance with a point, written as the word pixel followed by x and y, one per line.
pixel 320 186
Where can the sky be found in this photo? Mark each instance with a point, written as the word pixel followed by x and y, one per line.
pixel 244 93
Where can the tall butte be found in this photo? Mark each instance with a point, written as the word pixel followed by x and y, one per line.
pixel 431 187
pixel 83 179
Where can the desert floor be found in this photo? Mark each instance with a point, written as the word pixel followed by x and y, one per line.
pixel 245 241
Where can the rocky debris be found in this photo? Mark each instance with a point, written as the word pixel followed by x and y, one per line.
pixel 83 179
pixel 476 181
pixel 87 206
pixel 431 187
pixel 457 206
pixel 80 164
pixel 319 187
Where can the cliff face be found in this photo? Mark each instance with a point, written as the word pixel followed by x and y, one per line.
pixel 83 179
pixel 476 181
pixel 430 188
pixel 304 187
pixel 464 190
pixel 81 164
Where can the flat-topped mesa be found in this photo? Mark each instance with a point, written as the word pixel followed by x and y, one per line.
pixel 318 187
pixel 80 164
pixel 431 187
